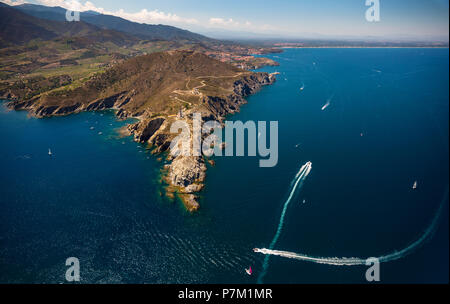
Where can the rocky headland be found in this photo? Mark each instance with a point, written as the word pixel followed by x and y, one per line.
pixel 157 89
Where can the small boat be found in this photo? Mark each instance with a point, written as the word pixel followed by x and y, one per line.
pixel 249 271
pixel 326 106
pixel 304 201
pixel 415 185
pixel 50 152
pixel 302 87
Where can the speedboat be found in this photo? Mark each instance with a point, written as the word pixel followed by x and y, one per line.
pixel 326 106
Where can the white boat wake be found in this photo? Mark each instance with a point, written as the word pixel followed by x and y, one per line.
pixel 359 261
pixel 304 171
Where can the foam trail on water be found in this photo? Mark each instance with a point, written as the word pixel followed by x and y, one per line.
pixel 359 261
pixel 298 182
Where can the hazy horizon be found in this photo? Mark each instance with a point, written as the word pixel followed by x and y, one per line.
pixel 400 20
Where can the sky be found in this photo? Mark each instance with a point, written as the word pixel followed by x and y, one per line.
pixel 399 19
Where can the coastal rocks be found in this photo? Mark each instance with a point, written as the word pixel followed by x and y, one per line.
pixel 161 141
pixel 186 176
pixel 190 202
pixel 67 110
pixel 45 111
pixel 123 114
pixel 144 130
pixel 185 171
pixel 222 106
pixel 194 188
pixel 39 107
pixel 251 84
pixel 259 62
pixel 108 102
pixel 20 105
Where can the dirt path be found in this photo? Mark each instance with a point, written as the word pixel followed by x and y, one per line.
pixel 195 91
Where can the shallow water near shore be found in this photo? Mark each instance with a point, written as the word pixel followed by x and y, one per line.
pixel 98 197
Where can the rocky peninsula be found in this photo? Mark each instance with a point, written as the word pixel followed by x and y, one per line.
pixel 157 89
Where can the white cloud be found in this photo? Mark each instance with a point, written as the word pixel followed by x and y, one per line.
pixel 223 22
pixel 16 2
pixel 236 25
pixel 143 16
pixel 229 23
pixel 155 16
pixel 152 16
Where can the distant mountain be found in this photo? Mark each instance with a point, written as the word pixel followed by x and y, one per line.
pixel 17 28
pixel 143 31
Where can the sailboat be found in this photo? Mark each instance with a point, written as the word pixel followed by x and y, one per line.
pixel 249 271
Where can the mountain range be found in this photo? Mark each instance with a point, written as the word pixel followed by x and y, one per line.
pixel 17 28
pixel 142 31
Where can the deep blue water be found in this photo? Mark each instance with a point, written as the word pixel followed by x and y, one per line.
pixel 98 197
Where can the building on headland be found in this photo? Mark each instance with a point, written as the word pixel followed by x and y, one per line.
pixel 180 114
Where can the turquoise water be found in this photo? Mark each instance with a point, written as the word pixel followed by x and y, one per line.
pixel 98 197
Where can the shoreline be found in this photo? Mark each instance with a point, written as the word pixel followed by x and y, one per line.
pixel 364 47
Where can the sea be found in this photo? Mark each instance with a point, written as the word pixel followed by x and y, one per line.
pixel 371 121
